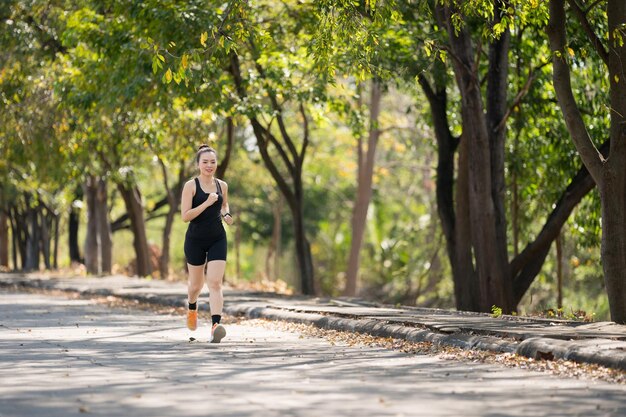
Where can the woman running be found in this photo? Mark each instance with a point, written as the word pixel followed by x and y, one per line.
pixel 204 204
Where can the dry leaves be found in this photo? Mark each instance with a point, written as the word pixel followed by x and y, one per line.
pixel 557 367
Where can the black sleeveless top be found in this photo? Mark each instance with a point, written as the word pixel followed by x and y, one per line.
pixel 208 224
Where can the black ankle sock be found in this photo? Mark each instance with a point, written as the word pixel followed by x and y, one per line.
pixel 193 306
pixel 215 318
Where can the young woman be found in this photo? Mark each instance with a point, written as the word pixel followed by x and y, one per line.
pixel 204 205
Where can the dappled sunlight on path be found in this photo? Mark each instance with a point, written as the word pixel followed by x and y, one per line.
pixel 63 357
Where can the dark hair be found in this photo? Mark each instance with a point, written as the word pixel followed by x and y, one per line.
pixel 202 149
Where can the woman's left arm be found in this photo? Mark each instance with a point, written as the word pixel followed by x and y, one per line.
pixel 228 218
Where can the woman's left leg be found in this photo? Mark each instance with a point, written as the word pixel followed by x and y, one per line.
pixel 214 279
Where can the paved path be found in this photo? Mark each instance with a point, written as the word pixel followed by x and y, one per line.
pixel 601 343
pixel 61 357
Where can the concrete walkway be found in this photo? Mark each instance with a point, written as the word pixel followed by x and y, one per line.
pixel 602 343
pixel 63 357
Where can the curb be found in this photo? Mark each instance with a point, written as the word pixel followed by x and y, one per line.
pixel 377 328
pixel 603 352
pixel 538 348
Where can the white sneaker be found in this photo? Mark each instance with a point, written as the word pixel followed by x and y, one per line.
pixel 217 333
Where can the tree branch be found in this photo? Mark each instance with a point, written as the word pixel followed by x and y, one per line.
pixel 525 266
pixel 581 15
pixel 267 159
pixel 47 39
pixel 520 95
pixel 235 71
pixel 305 140
pixel 590 155
pixel 276 106
pixel 230 137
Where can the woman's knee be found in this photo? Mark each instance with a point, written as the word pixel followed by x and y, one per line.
pixel 196 279
pixel 214 283
pixel 195 287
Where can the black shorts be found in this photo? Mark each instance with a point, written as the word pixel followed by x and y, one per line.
pixel 200 251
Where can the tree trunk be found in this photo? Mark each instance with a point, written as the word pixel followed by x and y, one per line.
pixel 497 106
pixel 453 213
pixel 19 237
pixel 173 198
pixel 230 140
pixel 613 186
pixel 466 286
pixel 15 240
pixel 303 254
pixel 73 225
pixel 494 287
pixel 164 261
pixel 515 201
pixel 365 171
pixel 104 226
pixel 45 238
pixel 32 238
pixel 559 272
pixel 134 208
pixel 4 239
pixel 614 243
pixel 484 235
pixel 609 174
pixel 92 259
pixel 273 252
pixel 55 255
pixel 238 250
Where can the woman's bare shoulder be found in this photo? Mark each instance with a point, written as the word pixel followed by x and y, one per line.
pixel 190 185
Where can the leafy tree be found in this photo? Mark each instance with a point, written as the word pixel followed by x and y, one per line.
pixel 262 71
pixel 473 40
pixel 607 171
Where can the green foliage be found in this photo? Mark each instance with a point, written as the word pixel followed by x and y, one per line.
pixel 119 88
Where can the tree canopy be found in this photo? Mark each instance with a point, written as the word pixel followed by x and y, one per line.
pixel 425 143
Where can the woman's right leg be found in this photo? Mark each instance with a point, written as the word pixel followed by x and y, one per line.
pixel 195 283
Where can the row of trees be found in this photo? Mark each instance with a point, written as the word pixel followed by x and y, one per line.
pixel 93 91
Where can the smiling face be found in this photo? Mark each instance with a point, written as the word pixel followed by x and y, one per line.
pixel 207 163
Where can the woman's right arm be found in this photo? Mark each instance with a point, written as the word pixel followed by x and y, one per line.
pixel 186 212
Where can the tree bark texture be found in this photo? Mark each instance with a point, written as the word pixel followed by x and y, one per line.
pixel 173 198
pixel 559 272
pixel 92 255
pixel 31 262
pixel 45 237
pixel 4 239
pixel 494 288
pixel 230 140
pixel 497 106
pixel 55 254
pixel 452 203
pixel 272 261
pixel 365 172
pixel 17 220
pixel 134 208
pixel 613 189
pixel 73 226
pixel 104 226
